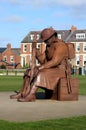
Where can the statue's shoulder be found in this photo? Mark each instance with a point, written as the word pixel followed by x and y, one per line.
pixel 59 43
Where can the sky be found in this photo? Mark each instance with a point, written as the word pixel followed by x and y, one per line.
pixel 19 17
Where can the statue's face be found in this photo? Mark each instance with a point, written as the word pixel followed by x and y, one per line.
pixel 49 41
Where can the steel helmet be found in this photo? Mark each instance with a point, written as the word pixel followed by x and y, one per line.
pixel 47 33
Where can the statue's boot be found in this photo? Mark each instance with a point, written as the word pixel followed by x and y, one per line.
pixel 15 96
pixel 25 90
pixel 31 96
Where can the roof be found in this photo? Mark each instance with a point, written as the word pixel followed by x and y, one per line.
pixel 27 38
pixel 73 36
pixel 16 51
pixel 66 35
pixel 2 50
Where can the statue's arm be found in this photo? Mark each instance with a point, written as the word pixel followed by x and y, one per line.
pixel 58 56
pixel 41 57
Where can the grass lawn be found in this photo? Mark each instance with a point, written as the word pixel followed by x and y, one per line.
pixel 12 83
pixel 82 84
pixel 75 123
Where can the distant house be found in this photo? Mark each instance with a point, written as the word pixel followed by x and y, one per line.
pixel 10 57
pixel 22 56
pixel 78 37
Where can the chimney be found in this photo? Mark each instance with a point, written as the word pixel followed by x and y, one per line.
pixel 73 28
pixel 8 46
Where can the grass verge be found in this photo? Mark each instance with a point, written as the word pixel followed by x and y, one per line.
pixel 75 123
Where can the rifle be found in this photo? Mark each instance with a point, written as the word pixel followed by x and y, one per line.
pixel 68 78
pixel 33 64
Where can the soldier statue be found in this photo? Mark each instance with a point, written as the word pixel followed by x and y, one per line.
pixel 52 67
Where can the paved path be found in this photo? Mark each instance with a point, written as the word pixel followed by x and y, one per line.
pixel 12 110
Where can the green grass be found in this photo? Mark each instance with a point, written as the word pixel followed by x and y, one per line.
pixel 75 123
pixel 11 83
pixel 82 84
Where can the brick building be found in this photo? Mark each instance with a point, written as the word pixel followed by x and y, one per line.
pixel 10 57
pixel 23 55
pixel 78 37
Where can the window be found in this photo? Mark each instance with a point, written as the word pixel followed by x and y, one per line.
pixel 84 59
pixel 84 62
pixel 38 36
pixel 78 47
pixel 38 46
pixel 80 36
pixel 59 36
pixel 25 48
pixel 30 47
pixel 5 58
pixel 23 61
pixel 11 59
pixel 84 47
pixel 31 36
pixel 77 60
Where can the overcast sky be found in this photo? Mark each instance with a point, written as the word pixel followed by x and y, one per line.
pixel 18 17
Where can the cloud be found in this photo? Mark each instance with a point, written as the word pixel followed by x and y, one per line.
pixel 14 19
pixel 75 7
pixel 43 3
pixel 73 3
pixel 11 1
pixel 68 3
pixel 14 1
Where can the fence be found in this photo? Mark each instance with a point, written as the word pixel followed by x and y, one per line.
pixel 79 71
pixel 15 72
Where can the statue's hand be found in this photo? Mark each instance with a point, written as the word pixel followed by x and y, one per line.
pixel 36 70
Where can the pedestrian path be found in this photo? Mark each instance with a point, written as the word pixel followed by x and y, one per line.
pixel 11 110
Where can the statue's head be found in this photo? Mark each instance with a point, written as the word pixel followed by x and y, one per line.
pixel 47 33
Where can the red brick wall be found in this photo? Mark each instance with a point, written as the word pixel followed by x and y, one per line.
pixel 8 53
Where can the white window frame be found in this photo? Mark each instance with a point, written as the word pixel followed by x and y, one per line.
pixel 11 58
pixel 77 60
pixel 5 58
pixel 77 46
pixel 31 36
pixel 38 36
pixel 24 47
pixel 84 47
pixel 59 36
pixel 30 47
pixel 38 45
pixel 80 36
pixel 84 59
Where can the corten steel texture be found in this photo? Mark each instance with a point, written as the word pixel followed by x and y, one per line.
pixel 47 33
pixel 61 91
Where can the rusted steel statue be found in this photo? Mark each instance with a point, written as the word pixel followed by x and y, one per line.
pixel 54 65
